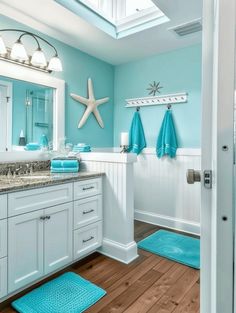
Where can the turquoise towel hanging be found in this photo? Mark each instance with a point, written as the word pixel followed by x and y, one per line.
pixel 137 141
pixel 167 141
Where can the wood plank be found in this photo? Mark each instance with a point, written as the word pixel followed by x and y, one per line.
pixel 191 302
pixel 124 282
pixel 119 274
pixel 132 293
pixel 157 290
pixel 176 293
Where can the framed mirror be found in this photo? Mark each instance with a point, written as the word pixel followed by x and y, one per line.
pixel 31 111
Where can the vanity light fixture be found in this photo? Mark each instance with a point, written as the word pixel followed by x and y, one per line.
pixel 18 54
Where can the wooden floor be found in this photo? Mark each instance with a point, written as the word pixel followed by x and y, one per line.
pixel 149 284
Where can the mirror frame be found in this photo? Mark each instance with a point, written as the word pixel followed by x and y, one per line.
pixel 22 73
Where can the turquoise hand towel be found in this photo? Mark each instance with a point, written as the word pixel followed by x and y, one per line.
pixel 167 141
pixel 64 163
pixel 137 141
pixel 65 170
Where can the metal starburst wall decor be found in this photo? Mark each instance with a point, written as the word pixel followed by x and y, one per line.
pixel 154 88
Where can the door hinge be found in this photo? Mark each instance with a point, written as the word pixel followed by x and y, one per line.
pixel 8 99
pixel 207 179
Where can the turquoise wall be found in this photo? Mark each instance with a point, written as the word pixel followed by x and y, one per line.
pixel 178 71
pixel 77 68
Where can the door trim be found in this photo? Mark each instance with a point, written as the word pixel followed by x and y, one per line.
pixel 8 85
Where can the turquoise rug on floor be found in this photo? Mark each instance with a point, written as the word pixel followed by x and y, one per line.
pixel 68 293
pixel 173 246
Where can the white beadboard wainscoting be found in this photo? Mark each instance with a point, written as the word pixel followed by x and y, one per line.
pixel 118 201
pixel 161 193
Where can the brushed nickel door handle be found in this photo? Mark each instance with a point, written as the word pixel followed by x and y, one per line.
pixel 193 176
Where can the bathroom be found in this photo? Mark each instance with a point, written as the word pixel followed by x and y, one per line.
pixel 87 200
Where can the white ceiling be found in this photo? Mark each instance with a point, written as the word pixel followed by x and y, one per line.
pixel 52 19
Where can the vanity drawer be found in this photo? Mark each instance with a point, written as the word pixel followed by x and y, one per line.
pixel 39 198
pixel 87 211
pixel 3 238
pixel 3 206
pixel 87 188
pixel 87 239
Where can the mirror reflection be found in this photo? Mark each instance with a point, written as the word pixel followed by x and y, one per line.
pixel 26 115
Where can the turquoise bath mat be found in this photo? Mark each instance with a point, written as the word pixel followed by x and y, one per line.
pixel 176 247
pixel 68 293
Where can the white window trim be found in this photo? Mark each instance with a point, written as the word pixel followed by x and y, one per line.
pixel 119 18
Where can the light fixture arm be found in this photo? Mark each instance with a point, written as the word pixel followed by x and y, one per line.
pixel 24 32
pixel 18 55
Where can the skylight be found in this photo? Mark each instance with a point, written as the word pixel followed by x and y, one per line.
pixel 134 7
pixel 123 17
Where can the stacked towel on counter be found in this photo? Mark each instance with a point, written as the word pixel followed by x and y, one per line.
pixel 167 141
pixel 64 165
pixel 82 147
pixel 32 146
pixel 137 141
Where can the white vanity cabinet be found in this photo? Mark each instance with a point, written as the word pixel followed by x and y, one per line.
pixel 48 229
pixel 3 246
pixel 40 242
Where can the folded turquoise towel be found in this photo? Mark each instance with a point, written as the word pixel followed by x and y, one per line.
pixel 32 146
pixel 64 170
pixel 64 163
pixel 167 141
pixel 82 147
pixel 137 141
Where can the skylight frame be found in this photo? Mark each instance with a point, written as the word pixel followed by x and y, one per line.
pixel 134 23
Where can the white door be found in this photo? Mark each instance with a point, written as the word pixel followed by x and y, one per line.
pixel 58 236
pixel 25 249
pixel 217 155
pixel 5 115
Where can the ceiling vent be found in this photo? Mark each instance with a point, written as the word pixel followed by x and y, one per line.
pixel 187 29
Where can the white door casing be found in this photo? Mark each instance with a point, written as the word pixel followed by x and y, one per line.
pixel 5 116
pixel 217 154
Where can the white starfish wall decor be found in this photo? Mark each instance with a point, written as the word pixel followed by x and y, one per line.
pixel 91 104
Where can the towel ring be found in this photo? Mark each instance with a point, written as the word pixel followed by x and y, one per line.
pixel 168 106
pixel 137 109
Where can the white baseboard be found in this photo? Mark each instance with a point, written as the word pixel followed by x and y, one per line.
pixel 120 252
pixel 168 222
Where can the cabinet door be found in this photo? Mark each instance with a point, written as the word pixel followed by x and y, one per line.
pixel 25 249
pixel 3 277
pixel 87 239
pixel 58 236
pixel 87 211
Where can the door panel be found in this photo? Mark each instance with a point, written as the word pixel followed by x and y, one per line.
pixel 58 236
pixel 25 249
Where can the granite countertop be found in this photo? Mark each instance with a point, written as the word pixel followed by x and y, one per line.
pixel 42 179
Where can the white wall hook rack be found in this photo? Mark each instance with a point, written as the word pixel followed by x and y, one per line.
pixel 163 99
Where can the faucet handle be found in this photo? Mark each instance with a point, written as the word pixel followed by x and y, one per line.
pixel 9 174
